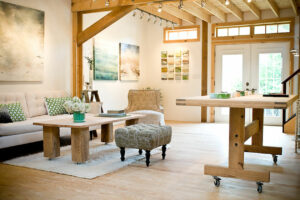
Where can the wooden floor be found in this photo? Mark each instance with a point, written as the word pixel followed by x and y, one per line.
pixel 180 176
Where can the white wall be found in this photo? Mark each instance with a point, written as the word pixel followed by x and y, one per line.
pixel 127 30
pixel 57 47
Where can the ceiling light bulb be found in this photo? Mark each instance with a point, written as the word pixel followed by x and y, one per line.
pixel 249 1
pixel 227 2
pixel 107 3
pixel 159 8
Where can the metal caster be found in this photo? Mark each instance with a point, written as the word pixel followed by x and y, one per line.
pixel 259 187
pixel 217 181
pixel 275 158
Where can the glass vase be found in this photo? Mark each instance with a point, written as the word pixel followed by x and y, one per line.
pixel 78 117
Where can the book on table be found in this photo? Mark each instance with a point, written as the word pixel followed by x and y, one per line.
pixel 115 111
pixel 112 115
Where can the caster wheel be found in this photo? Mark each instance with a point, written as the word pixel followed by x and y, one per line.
pixel 259 187
pixel 275 159
pixel 217 181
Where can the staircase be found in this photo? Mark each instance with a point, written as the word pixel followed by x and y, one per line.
pixel 288 126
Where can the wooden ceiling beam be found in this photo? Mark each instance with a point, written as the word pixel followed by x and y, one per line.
pixel 294 6
pixel 253 9
pixel 273 6
pixel 162 14
pixel 99 5
pixel 212 9
pixel 197 12
pixel 103 23
pixel 173 10
pixel 232 9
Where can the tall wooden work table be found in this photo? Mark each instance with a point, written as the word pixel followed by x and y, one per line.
pixel 239 133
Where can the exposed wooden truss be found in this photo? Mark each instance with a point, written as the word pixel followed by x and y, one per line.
pixel 253 8
pixel 273 7
pixel 181 14
pixel 294 6
pixel 232 9
pixel 163 14
pixel 212 9
pixel 196 11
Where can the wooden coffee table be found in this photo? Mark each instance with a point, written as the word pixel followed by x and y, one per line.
pixel 79 134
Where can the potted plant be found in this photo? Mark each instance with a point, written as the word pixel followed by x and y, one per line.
pixel 78 109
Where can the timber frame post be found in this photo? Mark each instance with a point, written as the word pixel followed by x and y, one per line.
pixel 204 68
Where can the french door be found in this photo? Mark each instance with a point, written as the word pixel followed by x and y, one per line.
pixel 251 66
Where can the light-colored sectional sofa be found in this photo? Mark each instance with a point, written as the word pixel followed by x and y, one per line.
pixel 33 104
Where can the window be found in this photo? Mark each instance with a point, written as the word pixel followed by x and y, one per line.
pixel 254 29
pixel 259 29
pixel 182 34
pixel 233 31
pixel 245 30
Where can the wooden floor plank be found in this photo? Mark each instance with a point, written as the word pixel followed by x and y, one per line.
pixel 180 176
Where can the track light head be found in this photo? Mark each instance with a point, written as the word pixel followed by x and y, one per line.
pixel 134 13
pixel 180 6
pixel 249 1
pixel 155 20
pixel 107 3
pixel 149 18
pixel 227 2
pixel 159 8
pixel 142 15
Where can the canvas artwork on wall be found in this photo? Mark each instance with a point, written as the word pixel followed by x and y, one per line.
pixel 175 65
pixel 129 62
pixel 105 61
pixel 21 43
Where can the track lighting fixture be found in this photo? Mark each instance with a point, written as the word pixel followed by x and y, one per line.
pixel 142 15
pixel 155 20
pixel 227 2
pixel 159 8
pixel 107 3
pixel 134 13
pixel 149 18
pixel 180 4
pixel 203 3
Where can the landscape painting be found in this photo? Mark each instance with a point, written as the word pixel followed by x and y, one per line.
pixel 129 62
pixel 21 43
pixel 106 61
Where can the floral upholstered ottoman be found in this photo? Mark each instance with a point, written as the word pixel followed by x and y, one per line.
pixel 143 137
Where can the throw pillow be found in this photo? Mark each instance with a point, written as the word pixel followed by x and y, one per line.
pixel 4 115
pixel 55 105
pixel 15 111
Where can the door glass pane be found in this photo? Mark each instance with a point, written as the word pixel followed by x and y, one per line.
pixel 231 81
pixel 270 68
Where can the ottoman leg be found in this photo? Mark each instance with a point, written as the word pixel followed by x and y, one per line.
pixel 164 148
pixel 122 151
pixel 147 158
pixel 140 151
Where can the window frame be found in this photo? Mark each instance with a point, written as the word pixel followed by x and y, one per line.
pixel 197 27
pixel 252 24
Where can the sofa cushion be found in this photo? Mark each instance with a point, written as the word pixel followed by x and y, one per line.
pixel 26 126
pixel 55 106
pixel 6 98
pixel 15 111
pixel 4 115
pixel 36 101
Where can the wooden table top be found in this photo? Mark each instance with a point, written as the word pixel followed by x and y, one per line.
pixel 89 121
pixel 251 101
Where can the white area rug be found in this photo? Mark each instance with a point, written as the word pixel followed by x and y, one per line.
pixel 103 159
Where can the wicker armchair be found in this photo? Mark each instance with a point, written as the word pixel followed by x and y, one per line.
pixel 146 102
